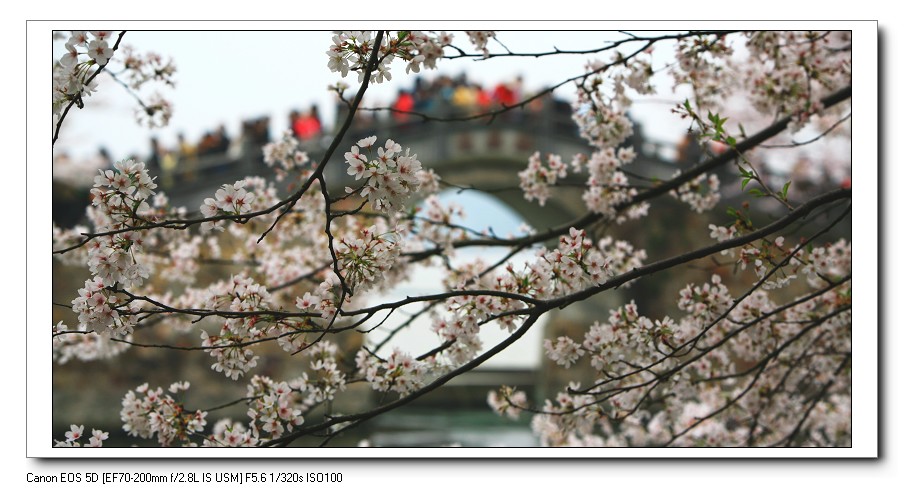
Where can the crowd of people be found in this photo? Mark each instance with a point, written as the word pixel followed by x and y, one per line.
pixel 306 125
pixel 185 155
pixel 439 96
pixel 456 94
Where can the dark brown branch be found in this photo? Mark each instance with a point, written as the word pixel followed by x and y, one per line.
pixel 318 173
pixel 360 417
pixel 653 192
pixel 789 439
pixel 800 212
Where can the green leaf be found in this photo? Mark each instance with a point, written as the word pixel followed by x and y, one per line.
pixel 717 122
pixel 744 183
pixel 756 192
pixel 785 190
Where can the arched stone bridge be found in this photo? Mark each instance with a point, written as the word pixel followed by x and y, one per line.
pixel 463 153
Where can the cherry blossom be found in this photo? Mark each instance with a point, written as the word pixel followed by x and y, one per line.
pixel 83 345
pixel 753 349
pixel 87 55
pixel 99 51
pixel 147 413
pixel 75 433
pixel 507 401
pixel 399 372
pixel 392 176
pixel 701 193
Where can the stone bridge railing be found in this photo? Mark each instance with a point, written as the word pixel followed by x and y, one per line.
pixel 465 150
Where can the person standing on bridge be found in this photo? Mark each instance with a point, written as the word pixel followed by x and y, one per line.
pixel 403 105
pixel 307 126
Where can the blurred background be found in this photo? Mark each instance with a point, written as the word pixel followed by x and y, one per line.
pixel 236 91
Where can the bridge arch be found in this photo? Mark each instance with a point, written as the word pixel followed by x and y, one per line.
pixel 488 154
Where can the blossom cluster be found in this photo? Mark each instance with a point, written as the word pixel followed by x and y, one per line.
pixel 607 186
pixel 86 52
pixel 765 256
pixel 576 264
pixel 244 298
pixel 829 262
pixel 705 302
pixel 787 72
pixel 229 434
pixel 569 420
pixel 75 433
pixel 400 372
pixel 600 124
pixel 564 351
pixel 71 71
pixel 102 311
pixel 572 266
pixel 506 401
pixel 701 193
pixel 480 39
pixel 608 189
pixel 367 257
pixel 228 200
pixel 326 378
pixel 325 299
pixel 184 252
pixel 141 69
pixel 273 409
pixel 464 314
pixel 719 337
pixel 426 48
pixel 536 179
pixel 83 345
pixel 121 194
pixel 148 412
pixel 436 223
pixel 601 111
pixel 623 256
pixel 703 63
pixel 351 50
pixel 460 328
pixel 778 265
pixel 391 175
pixel 284 155
pixel 119 202
pixel 278 407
